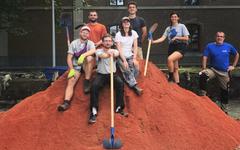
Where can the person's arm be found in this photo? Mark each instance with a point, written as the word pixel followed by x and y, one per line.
pixel 160 40
pixel 204 62
pixel 183 38
pixel 235 61
pixel 135 49
pixel 119 47
pixel 236 58
pixel 108 54
pixel 98 43
pixel 144 33
pixel 104 32
pixel 69 61
pixel 185 34
pixel 89 52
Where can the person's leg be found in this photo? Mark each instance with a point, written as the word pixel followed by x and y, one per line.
pixel 127 74
pixel 140 53
pixel 223 80
pixel 119 91
pixel 205 76
pixel 98 83
pixel 175 56
pixel 69 92
pixel 134 68
pixel 88 68
pixel 175 72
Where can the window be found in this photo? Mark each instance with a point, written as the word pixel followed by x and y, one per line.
pixel 116 2
pixel 194 39
pixel 191 2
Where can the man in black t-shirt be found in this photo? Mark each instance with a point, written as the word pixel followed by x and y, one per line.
pixel 138 24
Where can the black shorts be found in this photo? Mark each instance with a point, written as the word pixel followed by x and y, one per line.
pixel 179 47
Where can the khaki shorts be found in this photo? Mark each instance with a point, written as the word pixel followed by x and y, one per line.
pixel 221 76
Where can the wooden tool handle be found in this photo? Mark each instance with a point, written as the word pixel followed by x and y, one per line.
pixel 147 57
pixel 112 94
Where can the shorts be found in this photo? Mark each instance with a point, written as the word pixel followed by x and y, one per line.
pixel 222 77
pixel 78 68
pixel 179 47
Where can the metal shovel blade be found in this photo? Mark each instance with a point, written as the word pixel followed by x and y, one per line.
pixel 112 143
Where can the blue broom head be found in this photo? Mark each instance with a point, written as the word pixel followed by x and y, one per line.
pixel 66 20
pixel 112 143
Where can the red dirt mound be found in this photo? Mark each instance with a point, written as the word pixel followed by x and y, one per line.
pixel 165 117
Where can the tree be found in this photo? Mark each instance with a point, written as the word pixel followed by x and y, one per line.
pixel 11 16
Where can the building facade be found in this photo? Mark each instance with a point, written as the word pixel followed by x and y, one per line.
pixel 202 18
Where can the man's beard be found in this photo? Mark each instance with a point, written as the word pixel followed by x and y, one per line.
pixel 108 46
pixel 92 21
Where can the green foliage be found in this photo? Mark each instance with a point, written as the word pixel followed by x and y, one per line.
pixel 58 12
pixel 11 16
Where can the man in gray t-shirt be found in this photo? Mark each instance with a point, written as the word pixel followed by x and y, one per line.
pixel 80 56
pixel 103 77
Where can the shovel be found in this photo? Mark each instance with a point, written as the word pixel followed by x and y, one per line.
pixel 151 30
pixel 112 143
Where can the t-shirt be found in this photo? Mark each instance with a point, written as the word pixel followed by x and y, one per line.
pixel 126 43
pixel 103 65
pixel 219 55
pixel 77 48
pixel 137 24
pixel 97 32
pixel 179 30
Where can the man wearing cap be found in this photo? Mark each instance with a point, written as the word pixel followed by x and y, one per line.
pixel 98 30
pixel 138 25
pixel 79 58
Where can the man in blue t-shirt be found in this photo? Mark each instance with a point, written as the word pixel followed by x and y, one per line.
pixel 218 52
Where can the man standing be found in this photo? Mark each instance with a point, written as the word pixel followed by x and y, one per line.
pixel 103 78
pixel 138 24
pixel 98 30
pixel 79 57
pixel 219 53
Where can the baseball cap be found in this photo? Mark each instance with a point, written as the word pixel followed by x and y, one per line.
pixel 125 18
pixel 85 28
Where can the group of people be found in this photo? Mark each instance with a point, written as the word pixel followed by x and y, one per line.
pixel 94 48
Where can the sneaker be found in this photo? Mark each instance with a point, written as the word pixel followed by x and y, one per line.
pixel 86 86
pixel 202 93
pixel 170 80
pixel 121 112
pixel 64 106
pixel 137 90
pixel 92 118
pixel 225 108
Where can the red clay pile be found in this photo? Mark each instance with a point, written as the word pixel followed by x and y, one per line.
pixel 165 117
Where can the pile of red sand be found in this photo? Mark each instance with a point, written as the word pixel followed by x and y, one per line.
pixel 165 117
